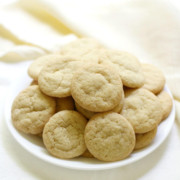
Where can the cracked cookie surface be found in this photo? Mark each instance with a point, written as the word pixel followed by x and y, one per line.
pixel 55 78
pixel 31 110
pixel 37 65
pixel 63 135
pixel 109 136
pixel 127 65
pixel 142 109
pixel 96 88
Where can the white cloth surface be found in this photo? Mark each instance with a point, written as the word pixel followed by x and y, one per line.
pixel 27 29
pixel 20 53
pixel 118 24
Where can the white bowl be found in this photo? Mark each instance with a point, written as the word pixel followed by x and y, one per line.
pixel 34 144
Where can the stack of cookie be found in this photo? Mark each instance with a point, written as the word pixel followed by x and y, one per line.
pixel 92 101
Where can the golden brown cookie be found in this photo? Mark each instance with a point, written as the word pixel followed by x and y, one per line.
pixel 127 65
pixel 109 136
pixel 36 66
pixel 55 77
pixel 154 78
pixel 166 102
pixel 63 135
pixel 66 103
pixel 142 109
pixel 145 139
pixel 96 88
pixel 31 110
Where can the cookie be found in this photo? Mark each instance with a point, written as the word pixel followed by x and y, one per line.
pixel 89 114
pixel 166 102
pixel 66 103
pixel 87 154
pixel 36 66
pixel 63 135
pixel 145 139
pixel 96 87
pixel 154 78
pixel 109 137
pixel 142 109
pixel 80 47
pixel 31 110
pixel 55 77
pixel 127 65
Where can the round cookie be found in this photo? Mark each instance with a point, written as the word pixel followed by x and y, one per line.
pixel 142 109
pixel 31 110
pixel 55 77
pixel 127 65
pixel 63 135
pixel 143 140
pixel 166 102
pixel 89 114
pixel 109 136
pixel 80 47
pixel 96 87
pixel 154 78
pixel 36 66
pixel 66 103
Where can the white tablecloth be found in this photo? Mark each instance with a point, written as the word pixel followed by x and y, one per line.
pixel 18 164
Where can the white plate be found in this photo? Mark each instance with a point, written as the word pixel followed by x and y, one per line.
pixel 35 146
